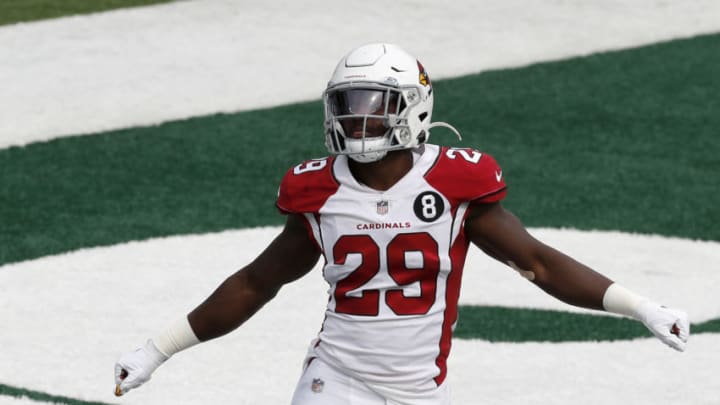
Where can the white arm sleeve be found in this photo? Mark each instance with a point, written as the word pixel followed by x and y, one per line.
pixel 179 336
pixel 620 300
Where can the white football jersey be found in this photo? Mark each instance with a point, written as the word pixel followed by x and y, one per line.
pixel 394 261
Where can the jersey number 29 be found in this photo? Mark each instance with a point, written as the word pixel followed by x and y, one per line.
pixel 368 302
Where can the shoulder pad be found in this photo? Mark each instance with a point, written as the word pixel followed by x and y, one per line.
pixel 307 186
pixel 465 174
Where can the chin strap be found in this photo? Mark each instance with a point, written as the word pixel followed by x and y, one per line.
pixel 446 125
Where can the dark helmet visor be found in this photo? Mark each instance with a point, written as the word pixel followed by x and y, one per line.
pixel 363 102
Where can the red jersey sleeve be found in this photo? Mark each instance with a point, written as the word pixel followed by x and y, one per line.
pixel 467 175
pixel 306 187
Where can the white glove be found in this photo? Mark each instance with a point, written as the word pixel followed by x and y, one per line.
pixel 135 368
pixel 671 326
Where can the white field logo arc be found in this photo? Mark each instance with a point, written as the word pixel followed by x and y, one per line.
pixel 300 304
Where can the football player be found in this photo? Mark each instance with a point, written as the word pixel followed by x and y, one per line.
pixel 392 216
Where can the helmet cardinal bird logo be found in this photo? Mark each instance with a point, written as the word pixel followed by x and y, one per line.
pixel 424 79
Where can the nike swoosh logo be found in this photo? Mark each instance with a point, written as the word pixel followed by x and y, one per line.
pixel 498 176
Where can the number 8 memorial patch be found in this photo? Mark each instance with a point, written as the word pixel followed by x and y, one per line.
pixel 429 206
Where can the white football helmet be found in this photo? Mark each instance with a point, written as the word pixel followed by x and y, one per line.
pixel 379 99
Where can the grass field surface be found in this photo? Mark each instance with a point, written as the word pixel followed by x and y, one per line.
pixel 613 141
pixel 17 11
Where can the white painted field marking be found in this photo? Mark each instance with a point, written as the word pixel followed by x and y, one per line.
pixel 68 317
pixel 142 66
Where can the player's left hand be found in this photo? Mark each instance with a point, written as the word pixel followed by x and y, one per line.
pixel 669 325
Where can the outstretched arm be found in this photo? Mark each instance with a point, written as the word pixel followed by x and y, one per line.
pixel 290 256
pixel 501 235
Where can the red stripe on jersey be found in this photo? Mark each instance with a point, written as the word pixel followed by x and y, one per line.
pixel 467 175
pixel 311 234
pixel 306 187
pixel 492 197
pixel 458 252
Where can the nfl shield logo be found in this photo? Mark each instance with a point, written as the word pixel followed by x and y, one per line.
pixel 317 385
pixel 382 207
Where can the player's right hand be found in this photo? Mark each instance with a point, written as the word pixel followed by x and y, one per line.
pixel 135 368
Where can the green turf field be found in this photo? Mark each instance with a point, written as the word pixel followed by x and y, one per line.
pixel 621 141
pixel 15 11
pixel 42 397
pixel 618 141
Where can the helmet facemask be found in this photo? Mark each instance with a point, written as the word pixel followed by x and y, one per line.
pixel 365 120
